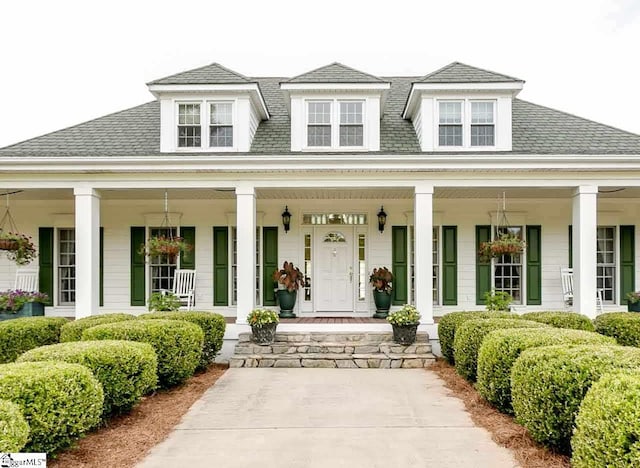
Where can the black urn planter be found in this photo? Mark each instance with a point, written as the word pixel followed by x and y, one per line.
pixel 287 301
pixel 405 334
pixel 635 307
pixel 266 334
pixel 382 300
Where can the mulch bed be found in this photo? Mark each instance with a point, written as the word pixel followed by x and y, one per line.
pixel 503 429
pixel 126 439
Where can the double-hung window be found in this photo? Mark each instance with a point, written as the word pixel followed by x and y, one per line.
pixel 205 125
pixel 507 268
pixel 606 266
pixel 319 124
pixel 466 123
pixel 482 124
pixel 221 124
pixel 335 124
pixel 450 127
pixel 189 130
pixel 351 124
pixel 66 266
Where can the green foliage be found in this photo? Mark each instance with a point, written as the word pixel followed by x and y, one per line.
pixel 60 401
pixel 260 317
pixel 623 326
pixel 126 370
pixel 178 344
pixel 469 337
pixel 449 323
pixel 561 320
pixel 163 302
pixel 14 429
pixel 23 334
pixel 212 325
pixel 497 301
pixel 72 331
pixel 381 279
pixel 12 300
pixel 608 424
pixel 408 315
pixel 548 385
pixel 501 348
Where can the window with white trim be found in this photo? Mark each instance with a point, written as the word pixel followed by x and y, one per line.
pixel 335 124
pixel 162 267
pixel 234 265
pixel 66 266
pixel 220 124
pixel 436 265
pixel 606 263
pixel 466 123
pixel 205 125
pixel 507 268
pixel 351 124
pixel 189 130
pixel 450 123
pixel 319 124
pixel 482 124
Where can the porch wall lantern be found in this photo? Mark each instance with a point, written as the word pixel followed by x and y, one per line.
pixel 382 219
pixel 286 219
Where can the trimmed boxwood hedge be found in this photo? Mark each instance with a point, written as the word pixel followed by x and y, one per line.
pixel 448 324
pixel 561 320
pixel 501 348
pixel 623 326
pixel 126 370
pixel 213 326
pixel 23 334
pixel 548 385
pixel 14 429
pixel 178 344
pixel 608 423
pixel 469 337
pixel 60 401
pixel 72 331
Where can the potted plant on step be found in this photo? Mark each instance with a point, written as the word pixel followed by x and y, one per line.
pixel 263 325
pixel 19 247
pixel 382 281
pixel 405 324
pixel 16 304
pixel 506 244
pixel 289 279
pixel 633 301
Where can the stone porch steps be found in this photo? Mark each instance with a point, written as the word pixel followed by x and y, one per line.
pixel 340 349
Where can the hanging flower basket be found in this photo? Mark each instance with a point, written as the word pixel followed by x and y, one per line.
pixel 506 244
pixel 8 244
pixel 19 247
pixel 163 245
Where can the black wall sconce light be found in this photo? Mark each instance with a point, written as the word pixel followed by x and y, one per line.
pixel 382 219
pixel 286 219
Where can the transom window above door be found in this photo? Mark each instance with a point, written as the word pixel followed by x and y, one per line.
pixel 335 124
pixel 335 218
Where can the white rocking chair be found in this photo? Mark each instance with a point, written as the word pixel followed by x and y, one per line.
pixel 566 274
pixel 184 286
pixel 26 280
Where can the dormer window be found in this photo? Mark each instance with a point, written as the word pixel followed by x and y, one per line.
pixel 450 131
pixel 189 129
pixel 195 117
pixel 221 124
pixel 319 124
pixel 351 124
pixel 335 124
pixel 482 124
pixel 466 123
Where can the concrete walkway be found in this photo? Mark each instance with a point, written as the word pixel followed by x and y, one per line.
pixel 301 418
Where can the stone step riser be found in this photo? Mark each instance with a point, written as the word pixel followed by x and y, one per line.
pixel 360 363
pixel 338 337
pixel 332 348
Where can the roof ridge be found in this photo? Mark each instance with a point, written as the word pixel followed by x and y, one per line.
pixel 453 64
pixel 240 75
pixel 342 65
pixel 216 64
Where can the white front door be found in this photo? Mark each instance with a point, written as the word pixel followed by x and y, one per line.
pixel 334 269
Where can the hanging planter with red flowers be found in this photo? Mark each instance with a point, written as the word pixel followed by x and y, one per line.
pixel 18 247
pixel 506 244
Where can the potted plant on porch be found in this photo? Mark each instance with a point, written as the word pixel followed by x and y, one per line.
pixel 405 324
pixel 16 304
pixel 633 301
pixel 19 247
pixel 289 279
pixel 382 281
pixel 263 325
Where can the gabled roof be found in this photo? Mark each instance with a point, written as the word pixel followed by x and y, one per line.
pixel 457 72
pixel 209 74
pixel 335 73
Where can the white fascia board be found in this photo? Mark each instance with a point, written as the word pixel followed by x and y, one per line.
pixel 335 86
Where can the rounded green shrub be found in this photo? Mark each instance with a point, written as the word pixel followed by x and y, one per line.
pixel 561 320
pixel 60 401
pixel 126 370
pixel 501 348
pixel 548 385
pixel 469 337
pixel 449 323
pixel 23 334
pixel 213 326
pixel 623 326
pixel 608 423
pixel 72 331
pixel 14 429
pixel 178 344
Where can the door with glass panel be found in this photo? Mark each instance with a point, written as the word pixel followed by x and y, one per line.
pixel 335 275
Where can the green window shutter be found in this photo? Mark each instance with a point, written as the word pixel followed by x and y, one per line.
pixel 534 265
pixel 221 266
pixel 570 246
pixel 45 262
pixel 483 269
pixel 188 261
pixel 101 250
pixel 450 265
pixel 138 268
pixel 269 263
pixel 399 261
pixel 627 261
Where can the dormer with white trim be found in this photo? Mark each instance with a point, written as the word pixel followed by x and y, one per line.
pixel 208 110
pixel 462 108
pixel 335 108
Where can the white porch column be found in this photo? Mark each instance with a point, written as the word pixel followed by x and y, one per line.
pixel 87 251
pixel 246 248
pixel 423 235
pixel 585 223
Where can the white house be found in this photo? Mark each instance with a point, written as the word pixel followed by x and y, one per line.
pixel 332 146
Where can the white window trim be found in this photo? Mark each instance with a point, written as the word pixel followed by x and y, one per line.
pixel 466 125
pixel 205 119
pixel 56 268
pixel 335 126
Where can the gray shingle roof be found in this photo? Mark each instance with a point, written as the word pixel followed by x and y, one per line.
pixel 457 72
pixel 209 74
pixel 335 73
pixel 136 131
